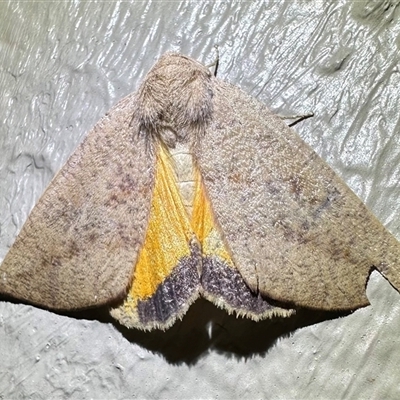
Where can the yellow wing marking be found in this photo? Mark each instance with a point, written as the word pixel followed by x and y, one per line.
pixel 168 233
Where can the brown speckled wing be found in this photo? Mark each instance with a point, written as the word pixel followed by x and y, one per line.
pixel 80 244
pixel 294 230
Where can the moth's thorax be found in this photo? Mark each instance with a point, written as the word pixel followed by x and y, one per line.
pixel 183 165
pixel 174 101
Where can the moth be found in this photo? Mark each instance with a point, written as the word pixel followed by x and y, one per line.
pixel 189 187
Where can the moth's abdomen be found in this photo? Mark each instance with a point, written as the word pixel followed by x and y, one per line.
pixel 183 165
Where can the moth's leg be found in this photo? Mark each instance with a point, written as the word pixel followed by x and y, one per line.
pixel 298 118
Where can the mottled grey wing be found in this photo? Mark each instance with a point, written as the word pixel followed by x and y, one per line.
pixel 295 231
pixel 79 246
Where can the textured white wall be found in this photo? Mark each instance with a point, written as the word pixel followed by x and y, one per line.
pixel 64 64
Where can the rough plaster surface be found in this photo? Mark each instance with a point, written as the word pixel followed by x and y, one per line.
pixel 63 64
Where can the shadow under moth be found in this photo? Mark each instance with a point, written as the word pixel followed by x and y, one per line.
pixel 189 187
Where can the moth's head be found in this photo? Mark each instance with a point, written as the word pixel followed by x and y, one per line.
pixel 174 102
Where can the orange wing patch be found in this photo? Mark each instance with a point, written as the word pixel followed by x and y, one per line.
pixel 166 278
pixel 182 258
pixel 168 235
pixel 204 225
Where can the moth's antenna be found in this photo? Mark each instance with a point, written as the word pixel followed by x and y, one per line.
pixel 215 64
